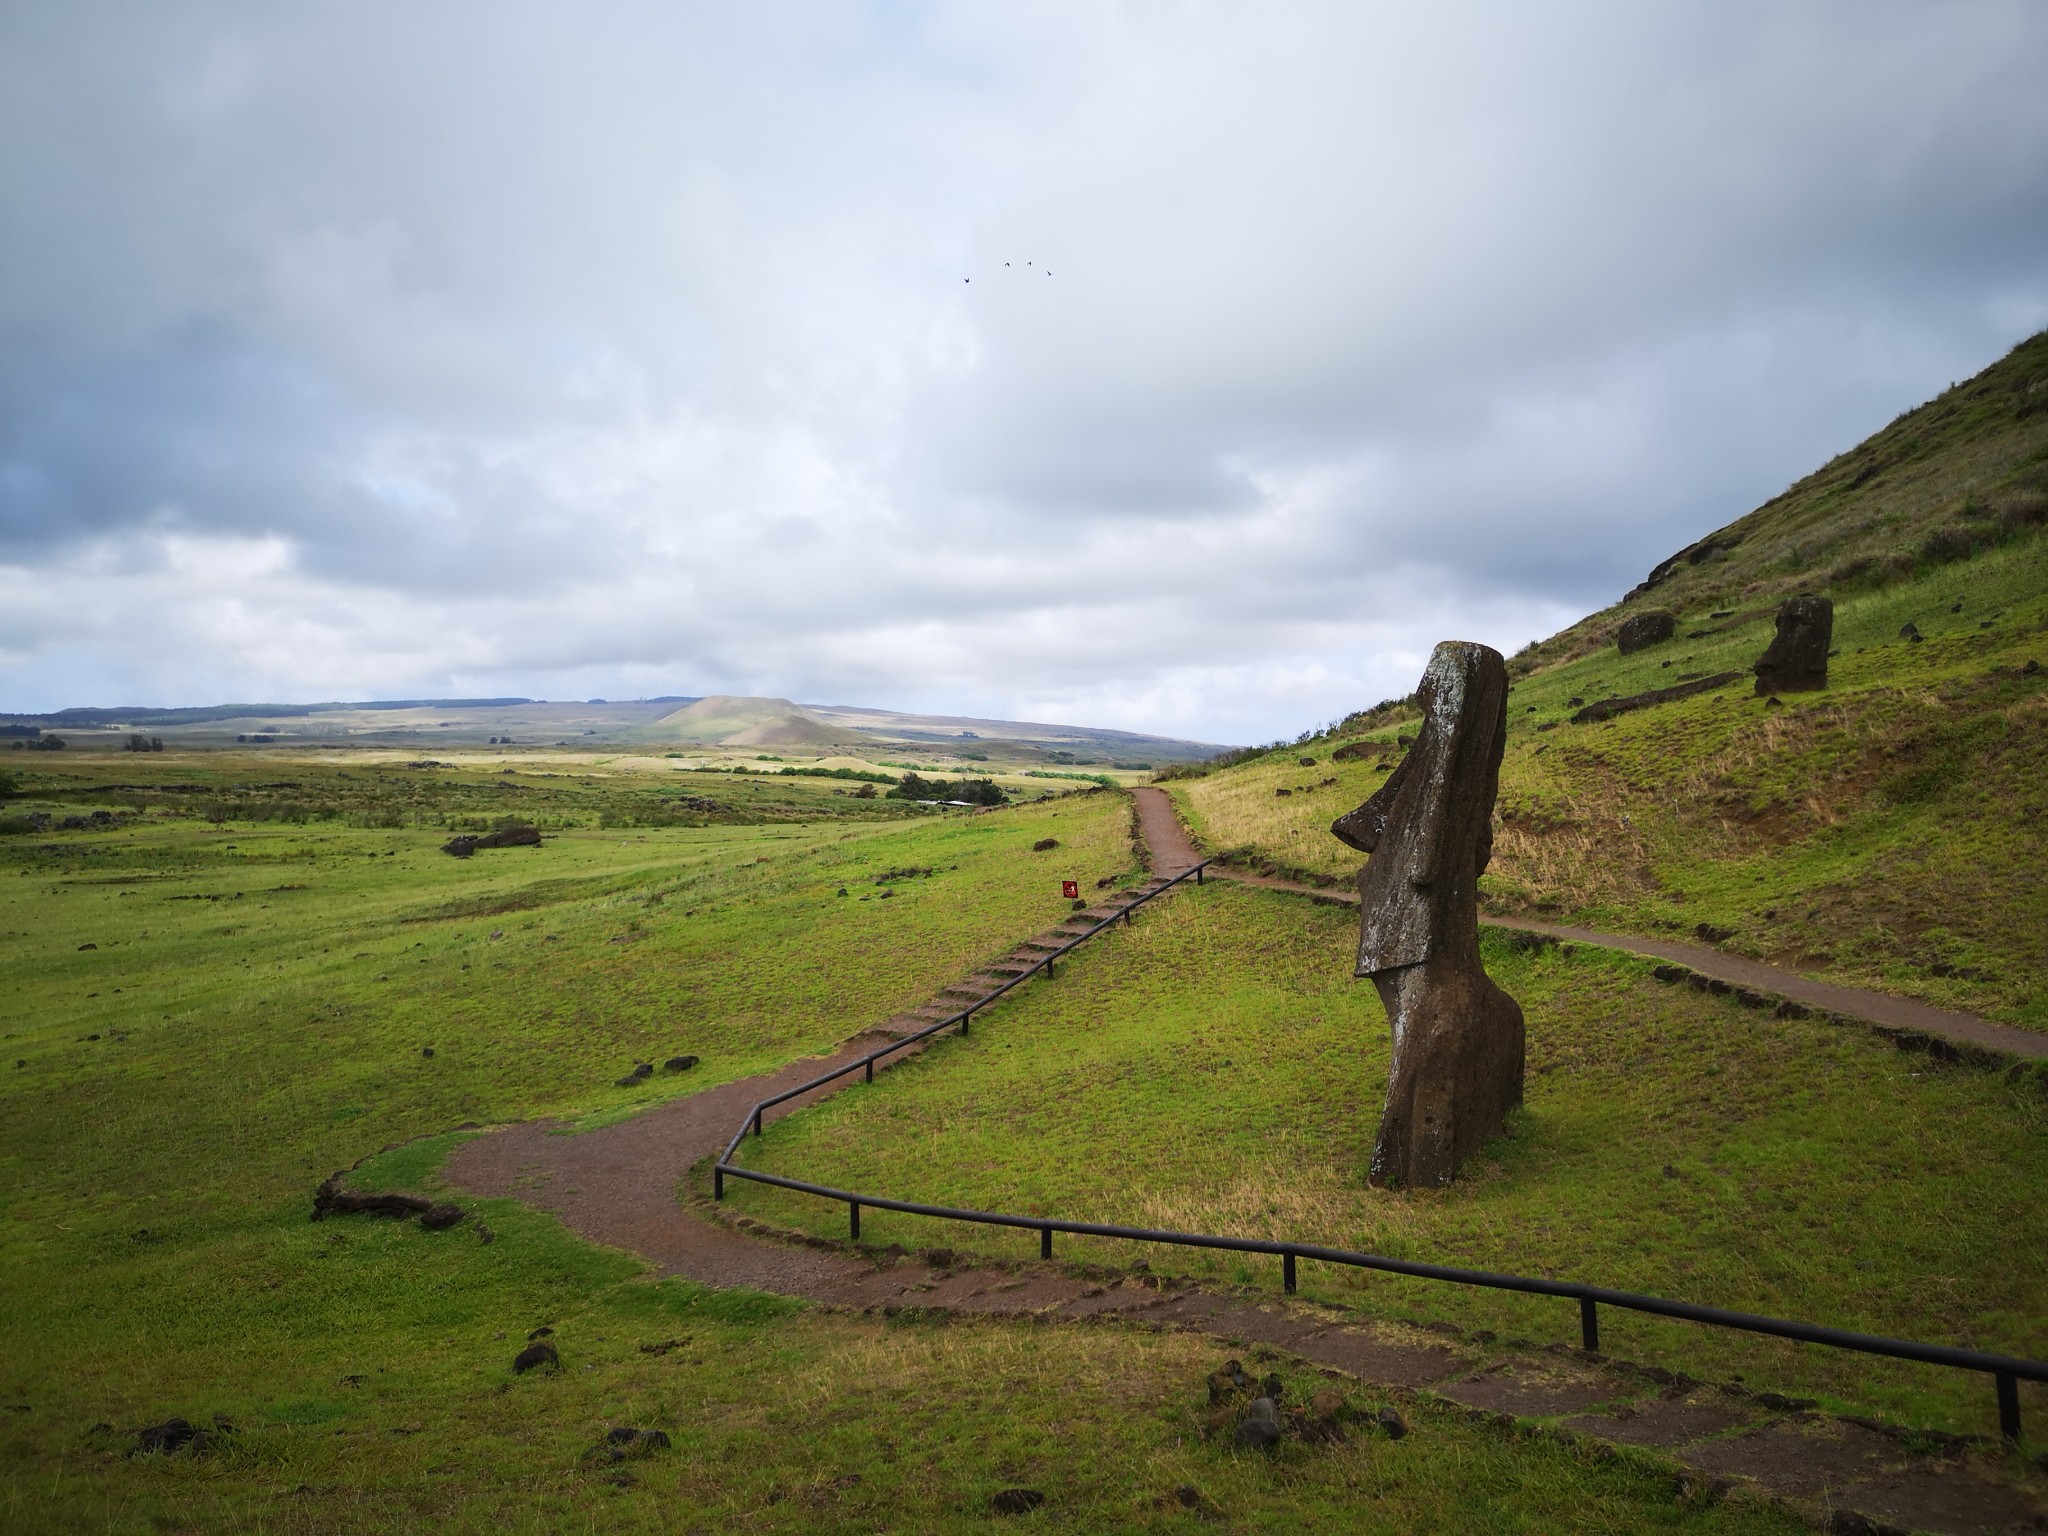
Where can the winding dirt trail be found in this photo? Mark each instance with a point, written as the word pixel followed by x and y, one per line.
pixel 1883 1010
pixel 627 1186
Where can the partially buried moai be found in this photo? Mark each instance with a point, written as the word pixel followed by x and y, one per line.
pixel 1797 659
pixel 1458 1039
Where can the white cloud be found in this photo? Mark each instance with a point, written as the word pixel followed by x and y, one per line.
pixel 389 351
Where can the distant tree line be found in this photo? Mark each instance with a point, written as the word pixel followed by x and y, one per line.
pixel 972 791
pixel 143 744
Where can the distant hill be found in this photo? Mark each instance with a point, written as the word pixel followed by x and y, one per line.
pixel 732 721
pixel 716 722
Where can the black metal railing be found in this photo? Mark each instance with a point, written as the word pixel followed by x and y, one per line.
pixel 2006 1371
pixel 963 1017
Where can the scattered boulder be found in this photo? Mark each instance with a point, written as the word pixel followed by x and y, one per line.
pixel 427 1051
pixel 1711 934
pixel 535 1356
pixel 1607 709
pixel 638 1075
pixel 1910 631
pixel 1797 660
pixel 330 1199
pixel 679 1063
pixel 1260 1429
pixel 440 1218
pixel 1352 751
pixel 505 837
pixel 1232 1378
pixel 1016 1501
pixel 628 1444
pixel 1392 1423
pixel 88 945
pixel 1644 630
pixel 167 1438
pixel 459 847
pixel 1045 844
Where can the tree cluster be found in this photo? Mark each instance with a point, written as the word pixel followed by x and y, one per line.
pixel 972 791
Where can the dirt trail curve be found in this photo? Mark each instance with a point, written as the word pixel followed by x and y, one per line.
pixel 627 1185
pixel 1894 1015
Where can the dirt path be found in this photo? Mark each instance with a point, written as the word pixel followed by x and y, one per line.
pixel 626 1185
pixel 1894 1015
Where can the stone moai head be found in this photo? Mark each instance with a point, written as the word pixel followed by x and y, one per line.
pixel 1429 828
pixel 1797 661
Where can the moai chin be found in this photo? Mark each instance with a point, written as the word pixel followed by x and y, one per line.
pixel 1458 1039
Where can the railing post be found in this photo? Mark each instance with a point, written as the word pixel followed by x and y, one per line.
pixel 717 1182
pixel 1287 1273
pixel 871 1069
pixel 2009 1406
pixel 757 1122
pixel 965 1019
pixel 1198 874
pixel 853 1218
pixel 1589 1325
pixel 1045 1242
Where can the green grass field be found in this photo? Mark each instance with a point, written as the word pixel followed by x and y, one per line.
pixel 252 1014
pixel 1215 1069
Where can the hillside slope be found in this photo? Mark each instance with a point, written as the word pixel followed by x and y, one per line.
pixel 1888 832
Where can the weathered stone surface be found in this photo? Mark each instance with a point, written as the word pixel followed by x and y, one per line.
pixel 1797 661
pixel 330 1199
pixel 1607 709
pixel 536 1355
pixel 1644 630
pixel 1458 1039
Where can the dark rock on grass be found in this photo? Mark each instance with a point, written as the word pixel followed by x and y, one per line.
pixel 1711 934
pixel 1909 631
pixel 167 1438
pixel 1045 844
pixel 1231 1378
pixel 427 1051
pixel 679 1063
pixel 1016 1501
pixel 330 1199
pixel 939 1258
pixel 1607 709
pixel 1645 630
pixel 459 847
pixel 628 1444
pixel 534 1356
pixel 1797 660
pixel 1391 1423
pixel 542 1332
pixel 441 1217
pixel 1258 1434
pixel 639 1074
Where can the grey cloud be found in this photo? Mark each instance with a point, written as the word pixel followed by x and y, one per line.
pixel 509 349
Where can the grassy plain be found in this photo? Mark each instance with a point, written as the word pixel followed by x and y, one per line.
pixel 1214 1069
pixel 1888 832
pixel 273 942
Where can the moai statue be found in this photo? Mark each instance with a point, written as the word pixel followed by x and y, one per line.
pixel 1458 1039
pixel 1797 661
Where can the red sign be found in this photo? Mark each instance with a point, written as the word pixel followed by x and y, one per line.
pixel 1071 889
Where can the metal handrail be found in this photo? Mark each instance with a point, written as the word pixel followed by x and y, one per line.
pixel 2006 1370
pixel 963 1017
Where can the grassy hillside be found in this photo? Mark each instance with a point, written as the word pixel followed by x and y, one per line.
pixel 1216 1069
pixel 211 1009
pixel 1886 832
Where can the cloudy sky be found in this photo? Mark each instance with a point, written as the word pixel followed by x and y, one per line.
pixel 1187 368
